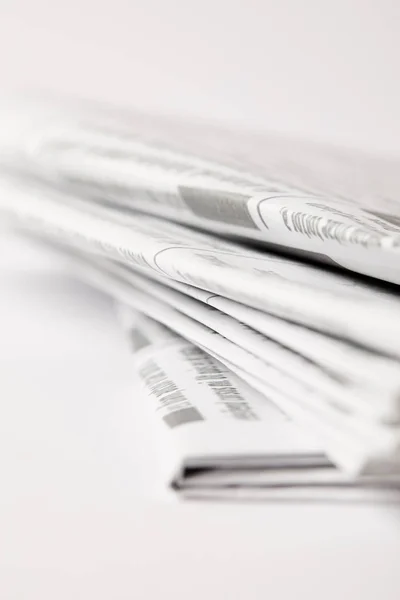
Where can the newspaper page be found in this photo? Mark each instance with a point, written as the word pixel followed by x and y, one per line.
pixel 338 305
pixel 219 438
pixel 341 207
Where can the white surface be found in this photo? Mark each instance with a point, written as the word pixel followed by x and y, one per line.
pixel 324 69
pixel 78 515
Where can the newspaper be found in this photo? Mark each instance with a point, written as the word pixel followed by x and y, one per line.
pixel 135 203
pixel 219 438
pixel 338 206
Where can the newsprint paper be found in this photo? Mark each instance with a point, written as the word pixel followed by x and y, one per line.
pixel 256 279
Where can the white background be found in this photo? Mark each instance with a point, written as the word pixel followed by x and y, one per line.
pixel 78 515
pixel 322 68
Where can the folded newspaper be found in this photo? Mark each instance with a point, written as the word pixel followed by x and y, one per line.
pixel 256 278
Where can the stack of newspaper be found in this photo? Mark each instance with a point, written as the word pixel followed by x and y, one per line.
pixel 256 280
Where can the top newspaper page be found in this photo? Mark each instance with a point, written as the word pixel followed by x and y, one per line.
pixel 338 206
